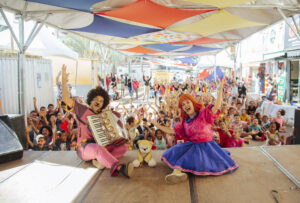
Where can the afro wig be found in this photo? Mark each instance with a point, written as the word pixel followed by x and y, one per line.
pixel 98 91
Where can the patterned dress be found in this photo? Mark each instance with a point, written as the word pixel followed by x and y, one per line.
pixel 201 155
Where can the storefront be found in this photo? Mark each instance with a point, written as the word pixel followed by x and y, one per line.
pixel 292 47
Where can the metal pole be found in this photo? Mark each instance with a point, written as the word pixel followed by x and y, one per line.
pixel 294 21
pixel 142 64
pixel 288 22
pixel 21 70
pixel 129 68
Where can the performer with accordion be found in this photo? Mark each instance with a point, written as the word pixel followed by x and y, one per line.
pixel 101 133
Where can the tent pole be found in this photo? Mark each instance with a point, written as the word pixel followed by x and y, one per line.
pixel 142 64
pixel 294 21
pixel 34 33
pixel 21 70
pixel 288 22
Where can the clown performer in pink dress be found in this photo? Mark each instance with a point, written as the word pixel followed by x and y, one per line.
pixel 200 155
pixel 87 148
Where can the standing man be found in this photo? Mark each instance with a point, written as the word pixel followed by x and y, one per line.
pixel 107 82
pixel 147 85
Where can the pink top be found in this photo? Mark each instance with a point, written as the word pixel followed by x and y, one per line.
pixel 235 143
pixel 199 128
pixel 279 120
pixel 82 112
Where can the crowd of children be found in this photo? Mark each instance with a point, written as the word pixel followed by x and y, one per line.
pixel 239 121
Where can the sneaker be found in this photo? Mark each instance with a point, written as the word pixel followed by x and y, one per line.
pixel 127 169
pixel 176 177
pixel 97 164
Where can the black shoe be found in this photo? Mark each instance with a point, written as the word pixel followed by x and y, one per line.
pixel 127 169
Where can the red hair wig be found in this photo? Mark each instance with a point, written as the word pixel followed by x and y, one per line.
pixel 196 105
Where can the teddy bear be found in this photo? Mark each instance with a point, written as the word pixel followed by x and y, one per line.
pixel 144 154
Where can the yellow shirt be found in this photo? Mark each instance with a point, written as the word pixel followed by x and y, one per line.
pixel 244 118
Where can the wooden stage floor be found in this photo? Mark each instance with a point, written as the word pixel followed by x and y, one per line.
pixel 63 177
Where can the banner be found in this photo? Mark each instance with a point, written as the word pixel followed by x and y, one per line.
pixel 273 38
pixel 281 87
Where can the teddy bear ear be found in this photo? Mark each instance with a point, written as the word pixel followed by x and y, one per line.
pixel 151 143
pixel 138 142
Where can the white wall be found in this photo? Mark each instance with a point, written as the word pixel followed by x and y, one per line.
pixel 9 83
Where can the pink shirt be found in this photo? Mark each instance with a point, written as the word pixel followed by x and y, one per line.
pixel 199 128
pixel 82 112
pixel 235 143
pixel 279 120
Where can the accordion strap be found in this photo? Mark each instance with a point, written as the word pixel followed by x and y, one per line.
pixel 86 125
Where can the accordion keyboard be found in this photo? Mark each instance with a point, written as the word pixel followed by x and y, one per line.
pixel 98 130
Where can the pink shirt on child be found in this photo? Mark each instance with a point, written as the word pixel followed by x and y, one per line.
pixel 235 143
pixel 279 120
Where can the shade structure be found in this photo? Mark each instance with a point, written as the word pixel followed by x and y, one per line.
pixel 163 47
pixel 140 49
pixel 166 36
pixel 218 22
pixel 106 26
pixel 81 5
pixel 148 12
pixel 203 74
pixel 219 74
pixel 220 3
pixel 204 40
pixel 188 60
pixel 130 42
pixel 198 49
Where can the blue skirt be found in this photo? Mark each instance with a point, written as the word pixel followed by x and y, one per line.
pixel 202 159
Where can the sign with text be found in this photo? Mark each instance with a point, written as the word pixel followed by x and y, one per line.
pixel 281 87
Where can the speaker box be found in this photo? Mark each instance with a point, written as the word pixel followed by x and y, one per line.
pixel 17 124
pixel 10 146
pixel 297 127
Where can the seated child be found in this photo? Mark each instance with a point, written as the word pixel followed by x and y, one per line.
pixel 224 134
pixel 280 120
pixel 273 135
pixel 244 116
pixel 265 123
pixel 255 130
pixel 235 140
pixel 62 143
pixel 160 141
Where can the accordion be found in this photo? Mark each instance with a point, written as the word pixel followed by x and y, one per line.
pixel 108 128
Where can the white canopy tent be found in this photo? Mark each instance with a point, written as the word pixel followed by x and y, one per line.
pixel 261 11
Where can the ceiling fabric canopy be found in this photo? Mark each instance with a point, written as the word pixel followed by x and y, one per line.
pixel 166 36
pixel 81 5
pixel 137 27
pixel 151 13
pixel 204 40
pixel 218 22
pixel 220 3
pixel 110 27
pixel 141 50
pixel 164 47
pixel 198 49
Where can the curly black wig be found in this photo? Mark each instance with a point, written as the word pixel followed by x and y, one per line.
pixel 98 91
